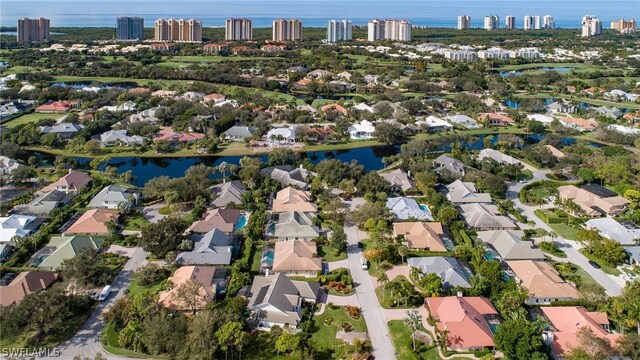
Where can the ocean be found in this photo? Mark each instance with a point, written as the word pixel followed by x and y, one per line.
pixel 313 13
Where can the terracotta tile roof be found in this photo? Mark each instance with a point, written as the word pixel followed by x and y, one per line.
pixel 201 275
pixel 221 219
pixel 292 199
pixel 464 320
pixel 93 222
pixel 568 320
pixel 421 235
pixel 171 135
pixel 296 255
pixel 24 284
pixel 58 106
pixel 336 107
pixel 580 122
pixel 542 280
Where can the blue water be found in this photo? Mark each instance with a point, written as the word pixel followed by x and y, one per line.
pixel 433 13
pixel 561 70
pixel 489 256
pixel 242 221
pixel 423 207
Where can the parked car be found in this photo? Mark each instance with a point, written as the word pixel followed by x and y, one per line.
pixel 523 181
pixel 594 264
pixel 105 293
pixel 364 264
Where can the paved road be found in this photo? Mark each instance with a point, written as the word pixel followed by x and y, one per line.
pixel 376 324
pixel 612 285
pixel 86 342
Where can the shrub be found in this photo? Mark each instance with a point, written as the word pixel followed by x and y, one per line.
pixel 353 311
pixel 347 327
pixel 150 274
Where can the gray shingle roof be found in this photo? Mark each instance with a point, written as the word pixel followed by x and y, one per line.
pixel 448 269
pixel 509 245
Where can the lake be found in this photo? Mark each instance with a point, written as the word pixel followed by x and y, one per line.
pixel 145 169
pixel 562 70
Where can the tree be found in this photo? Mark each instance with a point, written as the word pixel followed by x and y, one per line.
pixel 87 268
pixel 22 174
pixel 249 169
pixel 164 333
pixel 373 183
pixel 447 214
pixel 201 342
pixel 388 133
pixel 431 283
pixel 383 279
pixel 287 342
pixel 231 334
pixel 413 320
pixel 92 147
pixel 591 345
pixel 170 197
pixel 633 311
pixel 493 184
pixel 338 238
pixel 190 295
pixel 163 237
pixel 403 251
pixel 281 156
pixel 519 339
pixel 629 346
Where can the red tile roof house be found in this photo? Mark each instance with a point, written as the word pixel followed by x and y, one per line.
pixel 70 183
pixel 334 107
pixel 61 106
pixel 171 135
pixel 215 98
pixel 497 119
pixel 566 321
pixel 93 222
pixel 138 91
pixel 24 284
pixel 466 321
pixel 319 134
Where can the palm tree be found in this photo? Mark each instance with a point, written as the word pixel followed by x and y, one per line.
pixel 222 169
pixel 633 311
pixel 413 322
pixel 384 280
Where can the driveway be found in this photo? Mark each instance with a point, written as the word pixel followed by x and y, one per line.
pixel 374 318
pixel 338 264
pixel 612 285
pixel 86 342
pixel 151 213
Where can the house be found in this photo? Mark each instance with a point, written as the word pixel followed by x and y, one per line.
pixel 400 181
pixel 467 322
pixel 296 258
pixel 140 90
pixel 192 95
pixel 172 136
pixel 65 130
pixel 292 199
pixel 421 235
pixel 579 123
pixel 627 234
pixel 126 106
pixel 434 124
pixel 5 251
pixel 43 204
pixel 496 119
pixel 224 220
pixel 620 95
pixel 276 300
pixel 55 107
pixel 213 49
pixel 273 48
pixel 308 108
pixel 546 120
pixel 460 192
pixel 451 166
pixel 335 107
pixel 499 157
pixel 485 217
pixel 93 222
pixel 213 248
pixel 164 93
pixel 321 134
pixel 7 165
pixel 24 284
pixel 214 98
pixel 562 106
pixel 148 115
pixel 554 151
pixel 203 276
pixel 287 175
pixel 564 323
pixel 449 269
pixel 594 200
pixel 404 208
pixel 362 130
pixel 61 248
pixel 228 193
pixel 510 246
pixel 13 226
pixel 543 282
pixel 293 225
pixel 463 121
pixel 364 107
pixel 120 138
pixel 112 196
pixel 610 112
pixel 282 135
pixel 70 183
pixel 318 74
pixel 238 133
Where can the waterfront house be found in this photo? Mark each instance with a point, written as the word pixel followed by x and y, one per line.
pixel 238 133
pixel 362 130
pixel 72 182
pixel 64 130
pixel 459 192
pixel 112 196
pixel 287 175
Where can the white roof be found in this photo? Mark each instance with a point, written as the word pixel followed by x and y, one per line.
pixel 14 225
pixel 610 228
pixel 364 107
pixel 545 119
pixel 363 126
pixel 285 132
pixel 432 121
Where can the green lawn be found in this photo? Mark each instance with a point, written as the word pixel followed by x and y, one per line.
pixel 401 336
pixel 32 117
pixel 540 65
pixel 597 102
pixel 324 337
pixel 134 288
pixel 329 254
pixel 109 340
pixel 135 222
pixel 212 59
pixel 388 300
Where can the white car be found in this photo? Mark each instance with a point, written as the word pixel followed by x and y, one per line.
pixel 523 181
pixel 363 263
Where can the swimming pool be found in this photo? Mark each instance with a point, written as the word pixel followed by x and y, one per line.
pixel 424 207
pixel 489 256
pixel 242 221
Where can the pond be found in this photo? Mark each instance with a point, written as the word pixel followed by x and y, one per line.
pixel 562 70
pixel 145 168
pixel 78 85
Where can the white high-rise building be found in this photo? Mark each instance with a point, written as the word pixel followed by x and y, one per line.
pixel 537 22
pixel 464 22
pixel 238 29
pixel 491 22
pixel 339 30
pixel 548 22
pixel 591 26
pixel 528 22
pixel 510 22
pixel 375 30
pixel 397 30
